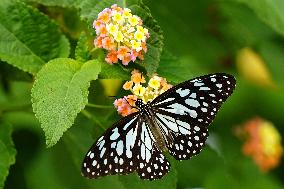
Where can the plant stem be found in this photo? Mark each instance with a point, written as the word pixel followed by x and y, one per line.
pixel 98 106
pixel 91 117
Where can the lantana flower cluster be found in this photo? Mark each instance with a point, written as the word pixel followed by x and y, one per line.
pixel 121 33
pixel 155 86
pixel 262 143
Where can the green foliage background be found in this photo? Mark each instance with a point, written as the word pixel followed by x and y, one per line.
pixel 50 74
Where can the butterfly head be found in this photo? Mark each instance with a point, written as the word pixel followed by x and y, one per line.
pixel 139 103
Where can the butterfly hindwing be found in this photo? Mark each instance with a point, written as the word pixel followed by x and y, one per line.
pixel 126 147
pixel 184 112
pixel 115 151
pixel 152 163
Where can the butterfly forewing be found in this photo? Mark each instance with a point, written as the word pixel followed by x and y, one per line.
pixel 184 112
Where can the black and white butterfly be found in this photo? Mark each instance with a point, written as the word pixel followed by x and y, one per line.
pixel 176 121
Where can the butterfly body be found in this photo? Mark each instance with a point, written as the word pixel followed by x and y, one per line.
pixel 176 121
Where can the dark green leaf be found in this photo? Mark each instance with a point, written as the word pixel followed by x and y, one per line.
pixel 270 11
pixel 7 151
pixel 28 39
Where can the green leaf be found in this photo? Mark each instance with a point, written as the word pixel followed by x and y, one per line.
pixel 60 92
pixel 90 10
pixel 28 38
pixel 272 52
pixel 61 3
pixel 7 151
pixel 270 11
pixel 82 52
pixel 173 69
pixel 169 181
pixel 114 72
pixel 154 43
pixel 242 26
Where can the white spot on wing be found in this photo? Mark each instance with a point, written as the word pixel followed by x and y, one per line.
pixel 204 88
pixel 192 102
pixel 167 100
pixel 183 93
pixel 129 123
pixel 219 85
pixel 119 147
pixel 198 84
pixel 115 134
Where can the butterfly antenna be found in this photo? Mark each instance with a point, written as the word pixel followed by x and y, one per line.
pixel 128 103
pixel 112 96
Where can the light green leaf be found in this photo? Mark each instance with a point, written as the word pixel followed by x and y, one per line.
pixel 28 38
pixel 270 11
pixel 7 151
pixel 60 92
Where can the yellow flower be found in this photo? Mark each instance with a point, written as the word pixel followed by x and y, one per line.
pixel 112 29
pixel 139 90
pixel 119 36
pixel 146 31
pixel 127 13
pixel 133 20
pixel 270 139
pixel 136 45
pixel 263 143
pixel 155 82
pixel 127 10
pixel 130 29
pixel 117 27
pixel 253 68
pixel 127 85
pixel 117 17
pixel 139 36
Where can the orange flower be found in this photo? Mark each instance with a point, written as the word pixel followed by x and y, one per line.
pixel 144 47
pixel 108 43
pixel 263 143
pixel 98 42
pixel 103 31
pixel 126 59
pixel 131 99
pixel 122 32
pixel 122 51
pixel 104 17
pixel 127 85
pixel 156 86
pixel 125 110
pixel 118 102
pixel 97 24
pixel 111 57
pixel 115 7
pixel 138 78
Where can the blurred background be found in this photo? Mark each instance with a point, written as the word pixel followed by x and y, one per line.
pixel 243 38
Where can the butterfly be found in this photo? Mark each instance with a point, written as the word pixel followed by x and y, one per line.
pixel 176 121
